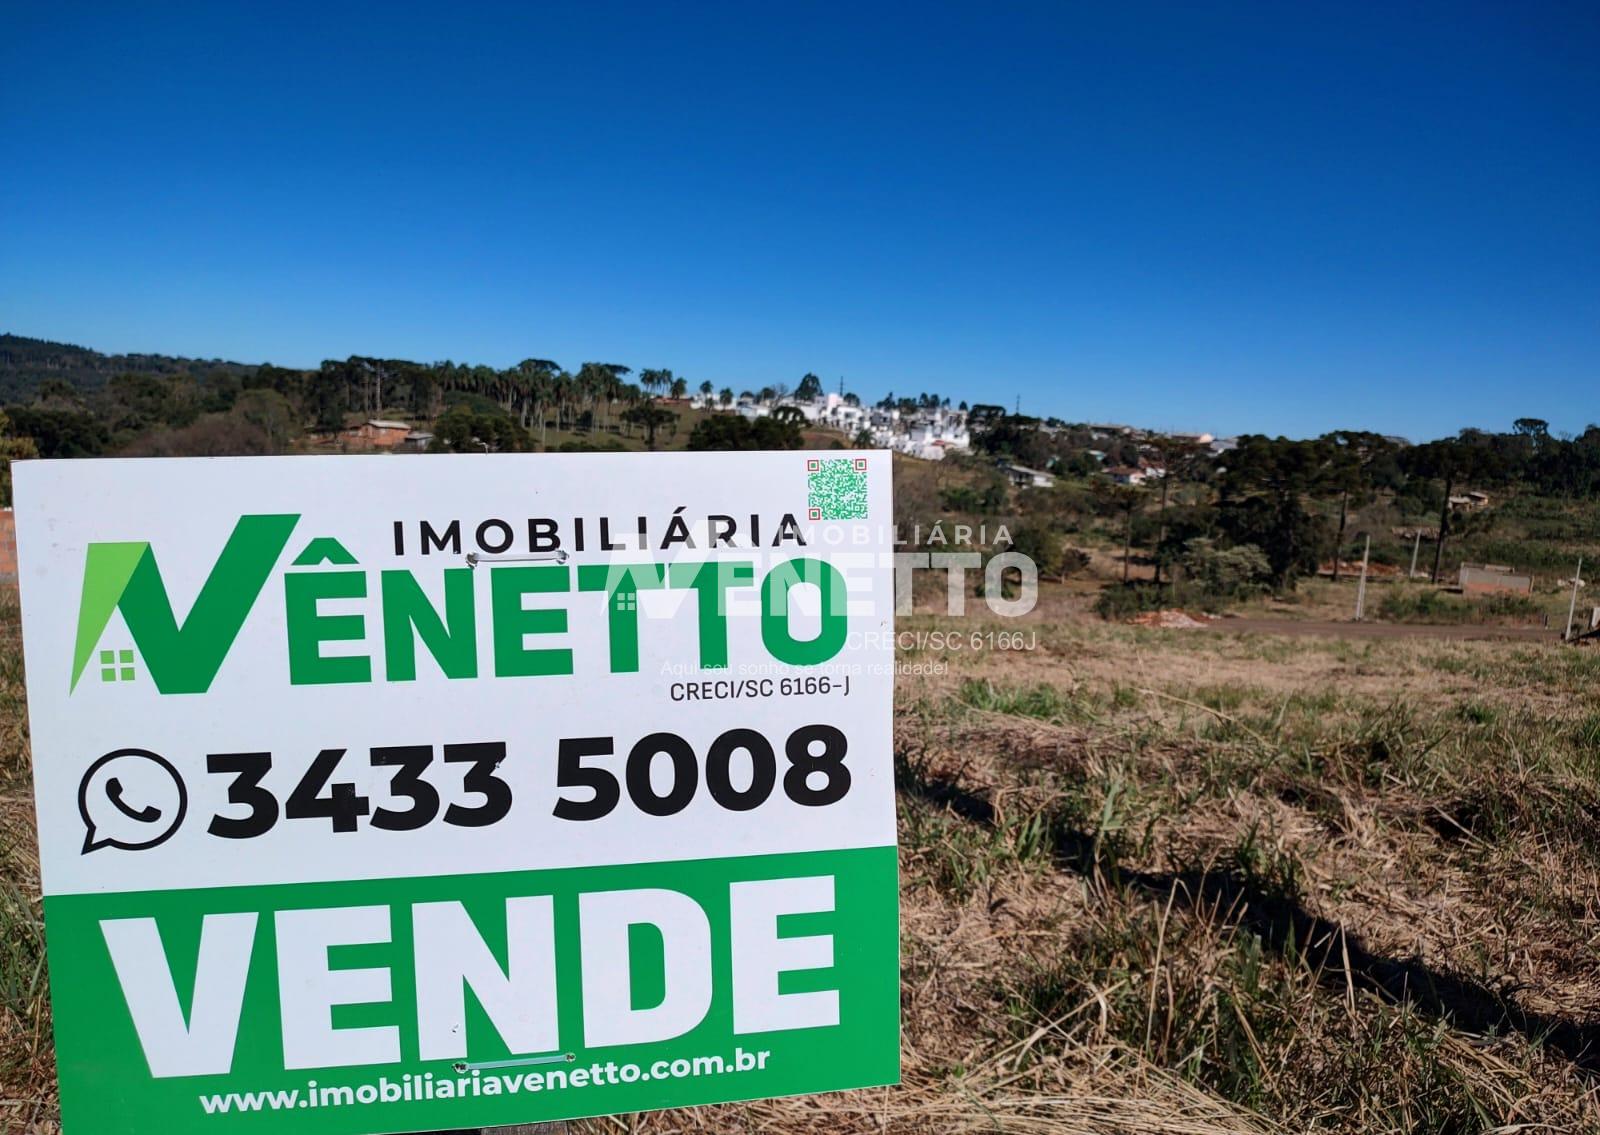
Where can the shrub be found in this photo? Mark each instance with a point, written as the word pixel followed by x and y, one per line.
pixel 966 498
pixel 1123 601
pixel 1215 578
pixel 1041 545
pixel 462 429
pixel 1425 605
pixel 1225 573
pixel 730 431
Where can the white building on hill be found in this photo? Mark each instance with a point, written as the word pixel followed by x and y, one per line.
pixel 928 433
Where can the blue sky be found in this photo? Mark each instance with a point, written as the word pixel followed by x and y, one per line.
pixel 1277 218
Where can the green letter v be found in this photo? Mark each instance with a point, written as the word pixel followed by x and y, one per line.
pixel 181 660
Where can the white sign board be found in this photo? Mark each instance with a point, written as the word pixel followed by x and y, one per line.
pixel 405 793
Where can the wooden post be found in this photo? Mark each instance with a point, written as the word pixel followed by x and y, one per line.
pixel 1577 582
pixel 1361 589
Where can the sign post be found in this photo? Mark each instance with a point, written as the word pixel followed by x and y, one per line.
pixel 410 794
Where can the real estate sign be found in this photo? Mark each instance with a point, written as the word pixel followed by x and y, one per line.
pixel 402 793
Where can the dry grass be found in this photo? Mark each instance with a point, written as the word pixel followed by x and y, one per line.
pixel 1157 881
pixel 27 1065
pixel 1379 860
pixel 1185 883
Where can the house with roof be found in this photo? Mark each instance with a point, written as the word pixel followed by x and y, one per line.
pixel 376 433
pixel 1128 474
pixel 1024 477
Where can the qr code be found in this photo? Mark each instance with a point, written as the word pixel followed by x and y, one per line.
pixel 837 488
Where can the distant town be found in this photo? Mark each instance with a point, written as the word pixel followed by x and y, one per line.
pixel 930 428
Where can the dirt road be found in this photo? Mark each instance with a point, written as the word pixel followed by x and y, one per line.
pixel 1332 629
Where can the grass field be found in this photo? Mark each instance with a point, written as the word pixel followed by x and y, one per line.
pixel 1167 881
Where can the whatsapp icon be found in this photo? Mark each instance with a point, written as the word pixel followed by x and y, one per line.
pixel 132 799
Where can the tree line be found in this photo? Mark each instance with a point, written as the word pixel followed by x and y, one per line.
pixel 63 403
pixel 1292 499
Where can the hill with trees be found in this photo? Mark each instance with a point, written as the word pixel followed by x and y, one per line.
pixel 27 364
pixel 64 400
pixel 1261 514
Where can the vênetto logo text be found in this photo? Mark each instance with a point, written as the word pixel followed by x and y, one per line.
pixel 439 613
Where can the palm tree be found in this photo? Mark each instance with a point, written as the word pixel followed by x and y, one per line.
pixel 592 384
pixel 726 397
pixel 561 393
pixel 482 381
pixel 705 391
pixel 536 377
pixel 680 387
pixel 655 379
pixel 598 383
pixel 615 387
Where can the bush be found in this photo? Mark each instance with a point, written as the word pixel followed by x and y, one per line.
pixel 730 431
pixel 1216 578
pixel 1042 546
pixel 215 435
pixel 965 498
pixel 1123 601
pixel 59 433
pixel 1226 573
pixel 1404 604
pixel 464 430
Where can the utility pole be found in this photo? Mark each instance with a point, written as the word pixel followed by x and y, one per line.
pixel 1416 546
pixel 1361 588
pixel 1572 607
